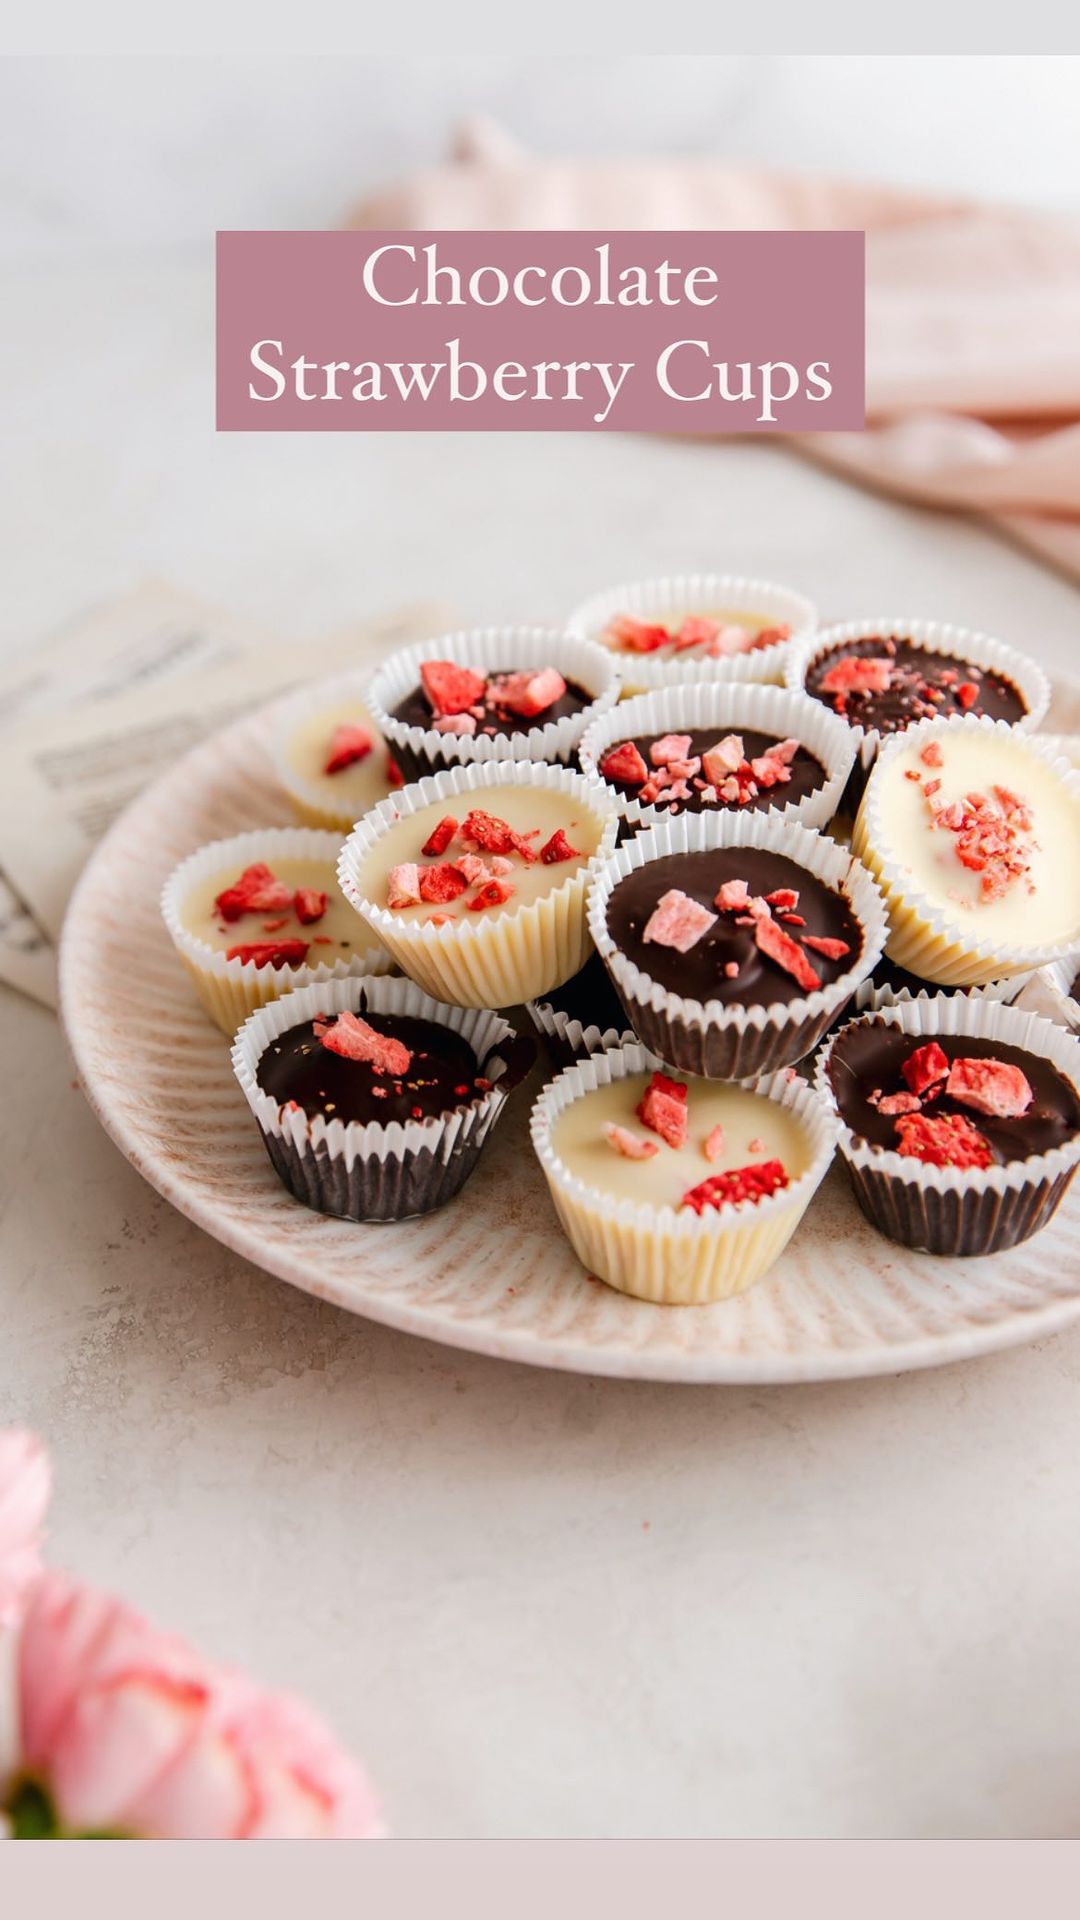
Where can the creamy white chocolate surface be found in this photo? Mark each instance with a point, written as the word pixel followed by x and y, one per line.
pixel 1038 908
pixel 341 934
pixel 356 788
pixel 522 808
pixel 577 1137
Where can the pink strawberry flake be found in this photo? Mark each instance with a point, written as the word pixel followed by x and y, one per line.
pixel 925 1067
pixel 461 724
pixel 731 969
pixel 662 1108
pixel 967 693
pixel 348 743
pixel 894 1103
pixel 677 921
pixel 310 905
pixel 785 898
pixel 784 750
pixel 527 694
pixel 991 1087
pixel 354 1039
pixel 829 949
pixel 932 755
pixel 403 885
pixel 258 890
pixel 724 758
pixel 733 896
pixel 624 763
pixel 714 1145
pixel 856 675
pixel 630 1145
pixel 636 636
pixel 673 746
pixel 477 871
pixel 696 631
pixel 780 947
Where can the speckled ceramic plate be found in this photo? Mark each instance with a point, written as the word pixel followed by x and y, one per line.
pixel 492 1271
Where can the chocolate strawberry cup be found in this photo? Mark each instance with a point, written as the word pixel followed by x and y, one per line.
pixel 493 693
pixel 892 986
pixel 695 627
pixel 256 915
pixel 728 747
pixel 882 676
pixel 475 879
pixel 960 1121
pixel 679 1192
pixel 375 1101
pixel 734 942
pixel 329 755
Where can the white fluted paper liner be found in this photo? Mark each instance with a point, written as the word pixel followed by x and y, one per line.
pixel 936 636
pixel 669 599
pixel 508 956
pixel 572 1035
pixel 665 1254
pixel 730 707
pixel 870 997
pixel 365 1171
pixel 1059 978
pixel 938 1208
pixel 310 797
pixel 490 650
pixel 713 1038
pixel 1064 746
pixel 231 989
pixel 923 939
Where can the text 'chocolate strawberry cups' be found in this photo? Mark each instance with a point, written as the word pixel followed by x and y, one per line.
pixel 374 1100
pixel 960 1120
pixel 695 627
pixel 475 879
pixel 679 1191
pixel 493 693
pixel 734 942
pixel 733 746
pixel 261 913
pixel 971 828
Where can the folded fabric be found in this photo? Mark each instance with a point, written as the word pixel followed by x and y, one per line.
pixel 973 312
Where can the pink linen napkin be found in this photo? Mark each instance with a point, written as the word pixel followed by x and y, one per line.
pixel 973 312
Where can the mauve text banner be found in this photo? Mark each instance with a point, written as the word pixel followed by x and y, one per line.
pixel 704 332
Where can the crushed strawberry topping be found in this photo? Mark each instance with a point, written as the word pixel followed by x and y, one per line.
pixel 678 921
pixel 820 943
pixel 441 883
pixel 672 746
pixel 897 1103
pixel 925 1067
pixel 493 835
pixel 992 836
pixel 733 896
pixel 741 1183
pixel 394 775
pixel 440 837
pixel 663 1109
pixel 450 689
pixel 624 763
pixel 630 1145
pixel 270 953
pixel 526 694
pixel 858 675
pixel 695 631
pixel 931 755
pixel 637 636
pixel 403 885
pixel 779 946
pixel 494 893
pixel 991 1087
pixel 354 1039
pixel 258 890
pixel 942 1140
pixel 460 724
pixel 714 1144
pixel 310 905
pixel 348 743
pixel 967 693
pixel 557 849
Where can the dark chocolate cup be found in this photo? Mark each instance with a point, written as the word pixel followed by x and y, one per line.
pixel 373 1173
pixel 712 1038
pixel 955 1212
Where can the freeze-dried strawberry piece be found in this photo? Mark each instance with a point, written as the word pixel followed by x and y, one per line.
pixel 677 921
pixel 270 953
pixel 714 1145
pixel 733 896
pixel 896 1103
pixel 991 1087
pixel 925 1067
pixel 624 762
pixel 662 1108
pixel 440 837
pixel 394 775
pixel 493 835
pixel 354 1039
pixel 697 630
pixel 636 636
pixel 258 890
pixel 724 758
pixel 441 883
pixel 403 885
pixel 494 893
pixel 527 694
pixel 671 746
pixel 630 1145
pixel 741 1183
pixel 768 771
pixel 943 1140
pixel 477 871
pixel 779 946
pixel 449 688
pixel 857 676
pixel 932 755
pixel 784 750
pixel 828 948
pixel 348 743
pixel 460 724
pixel 967 693
pixel 558 848
pixel 310 905
pixel 785 899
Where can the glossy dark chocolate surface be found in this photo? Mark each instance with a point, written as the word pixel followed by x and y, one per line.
pixel 868 1058
pixel 699 974
pixel 416 711
pixel 915 669
pixel 807 772
pixel 298 1067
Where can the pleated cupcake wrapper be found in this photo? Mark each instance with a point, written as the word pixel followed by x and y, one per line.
pixel 713 1038
pixel 669 599
pixel 571 1037
pixel 231 989
pixel 870 998
pixel 923 939
pixel 937 637
pixel 730 707
pixel 322 696
pixel 487 650
pixel 953 1210
pixel 370 1171
pixel 1059 978
pixel 495 959
pixel 665 1254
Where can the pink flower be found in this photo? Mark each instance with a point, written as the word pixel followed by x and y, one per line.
pixel 128 1731
pixel 25 1481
